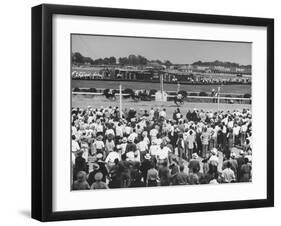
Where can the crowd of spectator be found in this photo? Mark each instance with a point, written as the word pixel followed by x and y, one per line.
pixel 144 148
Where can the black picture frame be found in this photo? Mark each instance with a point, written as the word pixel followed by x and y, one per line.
pixel 42 111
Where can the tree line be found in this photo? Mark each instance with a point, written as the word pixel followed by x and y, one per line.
pixel 133 60
pixel 219 63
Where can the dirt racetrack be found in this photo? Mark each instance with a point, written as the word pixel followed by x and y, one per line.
pixel 86 100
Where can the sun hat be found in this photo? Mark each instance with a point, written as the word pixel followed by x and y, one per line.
pixel 233 155
pixel 98 176
pixel 214 151
pixel 99 137
pixel 99 156
pixel 96 166
pixel 147 156
pixel 144 133
pixel 81 175
pixel 194 156
pixel 249 157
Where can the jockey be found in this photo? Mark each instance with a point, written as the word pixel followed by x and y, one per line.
pixel 179 96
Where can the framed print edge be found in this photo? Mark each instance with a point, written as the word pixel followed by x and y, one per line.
pixel 41 114
pixel 42 108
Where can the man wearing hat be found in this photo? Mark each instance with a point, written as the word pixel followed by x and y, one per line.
pixel 91 176
pixel 102 166
pixel 110 159
pixel 145 166
pixel 214 160
pixel 194 164
pixel 142 146
pixel 131 146
pixel 99 184
pixel 240 161
pixel 99 145
pixel 154 149
pixel 81 183
pixel 227 174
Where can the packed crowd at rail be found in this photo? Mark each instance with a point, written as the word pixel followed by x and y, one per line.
pixel 147 148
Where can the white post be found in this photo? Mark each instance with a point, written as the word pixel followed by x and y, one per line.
pixel 178 87
pixel 120 100
pixel 162 86
pixel 219 88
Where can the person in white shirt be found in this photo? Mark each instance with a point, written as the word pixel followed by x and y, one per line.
pixel 109 131
pixel 236 132
pixel 145 137
pixel 154 149
pixel 133 135
pixel 128 130
pixel 244 129
pixel 99 145
pixel 75 148
pixel 142 146
pixel 163 113
pixel 111 158
pixel 99 127
pixel 163 153
pixel 153 133
pixel 228 174
pixel 189 144
pixel 122 147
pixel 151 114
pixel 119 131
pixel 214 160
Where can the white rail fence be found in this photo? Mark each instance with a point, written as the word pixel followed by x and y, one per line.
pixel 229 100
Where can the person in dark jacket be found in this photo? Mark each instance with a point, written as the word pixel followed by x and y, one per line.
pixel 164 174
pixel 102 166
pixel 81 183
pixel 240 161
pixel 145 166
pixel 194 164
pixel 124 171
pixel 80 165
pixel 246 171
pixel 91 176
pixel 136 176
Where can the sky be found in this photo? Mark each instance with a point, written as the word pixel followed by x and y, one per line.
pixel 177 51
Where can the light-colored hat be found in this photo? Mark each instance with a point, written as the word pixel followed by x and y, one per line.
pixel 214 151
pixel 147 156
pixel 99 156
pixel 98 176
pixel 130 139
pixel 194 156
pixel 124 139
pixel 84 145
pixel 249 157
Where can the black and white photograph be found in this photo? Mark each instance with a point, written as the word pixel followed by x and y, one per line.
pixel 149 112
